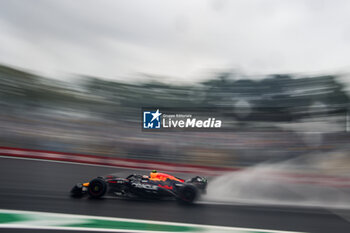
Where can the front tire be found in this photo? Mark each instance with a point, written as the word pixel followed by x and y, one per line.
pixel 77 191
pixel 97 188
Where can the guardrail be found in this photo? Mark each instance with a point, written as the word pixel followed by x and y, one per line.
pixel 112 161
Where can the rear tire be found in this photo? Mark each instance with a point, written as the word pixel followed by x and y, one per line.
pixel 188 194
pixel 97 188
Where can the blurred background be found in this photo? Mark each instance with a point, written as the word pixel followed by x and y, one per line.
pixel 75 75
pixel 276 118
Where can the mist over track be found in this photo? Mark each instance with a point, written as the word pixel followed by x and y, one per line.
pixel 44 186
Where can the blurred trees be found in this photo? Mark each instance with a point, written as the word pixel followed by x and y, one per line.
pixel 111 99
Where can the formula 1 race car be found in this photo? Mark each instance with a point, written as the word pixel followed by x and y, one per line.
pixel 156 186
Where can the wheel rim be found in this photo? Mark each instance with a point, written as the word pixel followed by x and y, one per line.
pixel 97 188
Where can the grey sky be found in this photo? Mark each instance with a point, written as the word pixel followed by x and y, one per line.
pixel 179 39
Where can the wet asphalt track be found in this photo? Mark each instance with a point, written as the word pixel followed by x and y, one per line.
pixel 44 186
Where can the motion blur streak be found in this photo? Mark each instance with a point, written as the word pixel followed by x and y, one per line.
pixel 277 117
pixel 54 221
pixel 87 88
pixel 287 134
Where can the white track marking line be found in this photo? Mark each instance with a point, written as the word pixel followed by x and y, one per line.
pixel 75 216
pixel 19 226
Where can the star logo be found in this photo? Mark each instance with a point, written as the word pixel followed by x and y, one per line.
pixel 156 115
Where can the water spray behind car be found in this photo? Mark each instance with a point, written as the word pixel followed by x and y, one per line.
pixel 295 182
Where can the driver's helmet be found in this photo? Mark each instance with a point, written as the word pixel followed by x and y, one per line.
pixel 153 174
